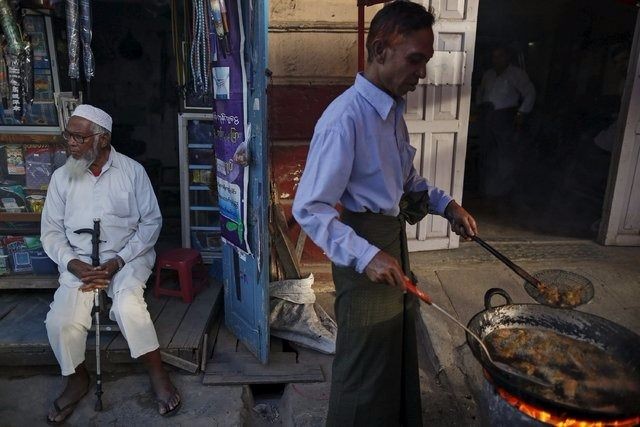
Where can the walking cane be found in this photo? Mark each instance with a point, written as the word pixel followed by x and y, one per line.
pixel 95 261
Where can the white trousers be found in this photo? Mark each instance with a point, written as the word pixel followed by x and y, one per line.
pixel 69 320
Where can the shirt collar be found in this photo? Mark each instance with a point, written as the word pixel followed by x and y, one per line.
pixel 112 161
pixel 381 101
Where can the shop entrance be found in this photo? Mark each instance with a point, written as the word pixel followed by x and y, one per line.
pixel 546 177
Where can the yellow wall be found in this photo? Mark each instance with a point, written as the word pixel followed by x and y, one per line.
pixel 314 41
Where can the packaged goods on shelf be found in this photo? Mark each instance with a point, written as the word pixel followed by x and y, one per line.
pixel 19 257
pixel 13 199
pixel 4 260
pixel 41 263
pixel 58 158
pixel 12 169
pixel 39 166
pixel 15 160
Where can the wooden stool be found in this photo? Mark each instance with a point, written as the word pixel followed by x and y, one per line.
pixel 183 260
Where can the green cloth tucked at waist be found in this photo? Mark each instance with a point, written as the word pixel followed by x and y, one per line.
pixel 375 371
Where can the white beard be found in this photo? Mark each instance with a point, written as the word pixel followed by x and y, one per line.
pixel 77 167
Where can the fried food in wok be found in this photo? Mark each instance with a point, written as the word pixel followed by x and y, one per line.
pixel 582 374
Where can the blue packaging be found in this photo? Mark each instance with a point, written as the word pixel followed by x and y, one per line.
pixel 4 262
pixel 41 263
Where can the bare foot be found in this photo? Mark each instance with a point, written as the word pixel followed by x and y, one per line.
pixel 77 385
pixel 166 393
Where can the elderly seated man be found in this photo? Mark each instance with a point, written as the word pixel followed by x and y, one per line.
pixel 98 182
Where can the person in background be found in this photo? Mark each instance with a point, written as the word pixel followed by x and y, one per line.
pixel 98 182
pixel 506 96
pixel 360 157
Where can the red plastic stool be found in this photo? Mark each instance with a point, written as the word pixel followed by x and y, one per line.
pixel 183 260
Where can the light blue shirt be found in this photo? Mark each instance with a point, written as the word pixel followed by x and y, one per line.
pixel 360 156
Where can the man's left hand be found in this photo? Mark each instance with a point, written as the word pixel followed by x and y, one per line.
pixel 104 273
pixel 462 223
pixel 110 267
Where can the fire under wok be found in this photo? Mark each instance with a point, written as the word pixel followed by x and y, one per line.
pixel 591 364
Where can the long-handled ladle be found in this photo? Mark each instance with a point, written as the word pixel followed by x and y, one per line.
pixel 412 288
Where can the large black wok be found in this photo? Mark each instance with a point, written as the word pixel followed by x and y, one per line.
pixel 617 341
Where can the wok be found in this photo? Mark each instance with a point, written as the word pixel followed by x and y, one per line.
pixel 620 343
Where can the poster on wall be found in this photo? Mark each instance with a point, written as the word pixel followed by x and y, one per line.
pixel 231 132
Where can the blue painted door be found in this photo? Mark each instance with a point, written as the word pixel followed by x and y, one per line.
pixel 246 276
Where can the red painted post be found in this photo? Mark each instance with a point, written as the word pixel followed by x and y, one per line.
pixel 360 37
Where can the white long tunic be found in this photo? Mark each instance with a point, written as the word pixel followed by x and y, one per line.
pixel 511 88
pixel 130 220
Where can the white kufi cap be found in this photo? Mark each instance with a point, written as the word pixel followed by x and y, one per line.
pixel 95 115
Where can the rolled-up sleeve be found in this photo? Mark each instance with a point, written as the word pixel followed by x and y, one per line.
pixel 52 231
pixel 150 221
pixel 325 178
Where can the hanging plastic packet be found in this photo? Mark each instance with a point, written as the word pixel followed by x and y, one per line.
pixel 10 28
pixel 218 23
pixel 195 62
pixel 206 48
pixel 13 57
pixel 73 39
pixel 86 35
pixel 4 83
pixel 14 75
pixel 27 73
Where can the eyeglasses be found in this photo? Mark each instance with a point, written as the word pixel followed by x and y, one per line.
pixel 77 138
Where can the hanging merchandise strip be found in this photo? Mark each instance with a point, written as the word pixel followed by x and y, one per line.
pixel 73 39
pixel 27 74
pixel 185 48
pixel 19 78
pixel 73 42
pixel 15 84
pixel 4 83
pixel 207 47
pixel 221 24
pixel 231 132
pixel 200 55
pixel 86 32
pixel 176 43
pixel 193 58
pixel 10 29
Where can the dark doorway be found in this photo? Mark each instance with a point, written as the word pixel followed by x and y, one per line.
pixel 575 53
pixel 135 82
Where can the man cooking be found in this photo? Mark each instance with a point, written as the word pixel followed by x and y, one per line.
pixel 98 182
pixel 360 156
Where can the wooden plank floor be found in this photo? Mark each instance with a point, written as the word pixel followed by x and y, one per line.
pixel 233 364
pixel 180 328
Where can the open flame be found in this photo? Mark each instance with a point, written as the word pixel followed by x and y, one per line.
pixel 559 420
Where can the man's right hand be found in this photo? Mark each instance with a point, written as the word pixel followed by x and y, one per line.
pixel 384 268
pixel 92 277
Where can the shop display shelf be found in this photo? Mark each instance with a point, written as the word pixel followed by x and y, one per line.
pixel 29 281
pixel 20 217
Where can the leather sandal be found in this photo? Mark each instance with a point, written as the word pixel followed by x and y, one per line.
pixel 165 404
